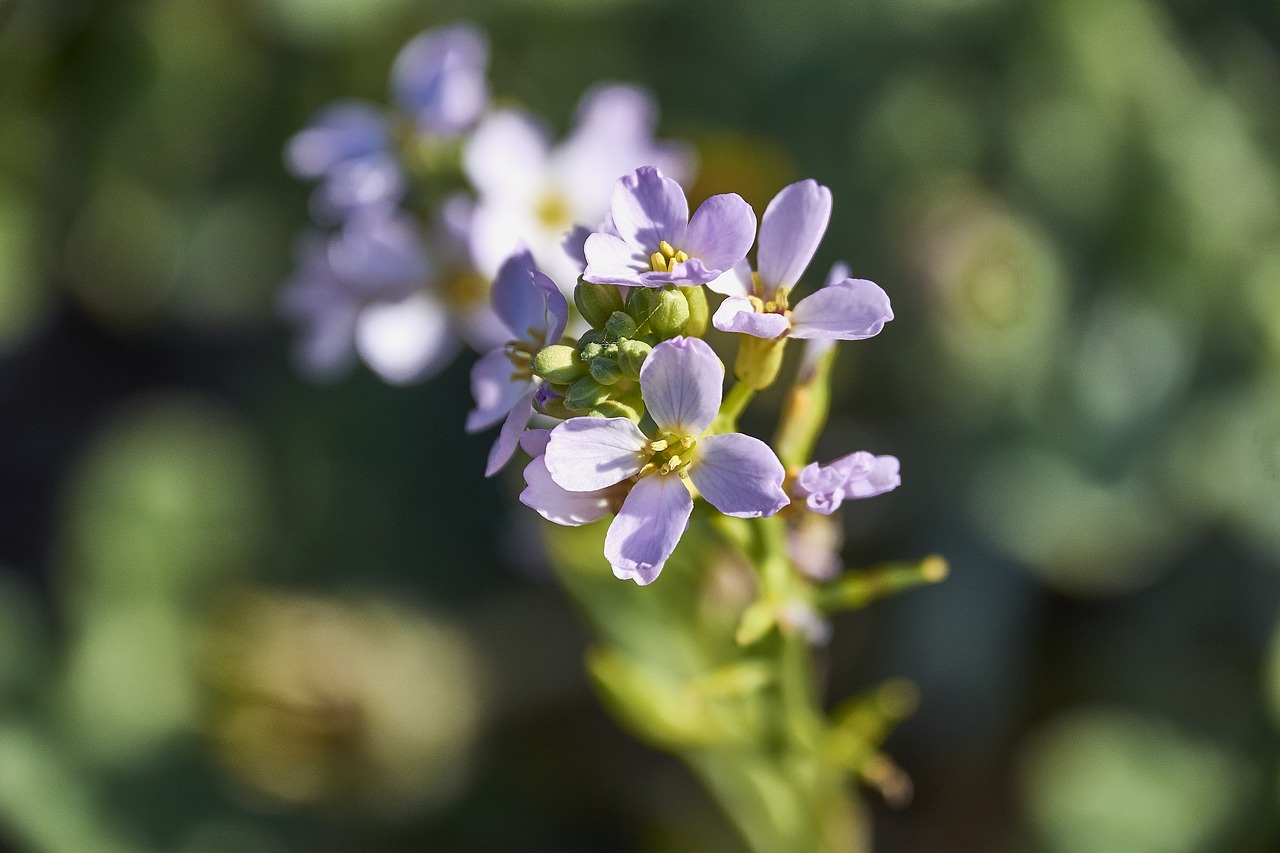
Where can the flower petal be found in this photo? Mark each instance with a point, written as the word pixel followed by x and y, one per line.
pixel 529 302
pixel 379 252
pixel 839 272
pixel 561 506
pixel 681 384
pixel 507 155
pixel 647 208
pixel 610 260
pixel 852 310
pixel 735 282
pixel 648 527
pixel 867 475
pixel 575 246
pixel 790 232
pixel 494 389
pixel 509 436
pixel 737 314
pixel 739 475
pixel 534 441
pixel 721 232
pixel 406 341
pixel 346 130
pixel 439 78
pixel 585 454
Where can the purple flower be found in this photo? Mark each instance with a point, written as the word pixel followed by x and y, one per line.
pixel 849 309
pixel 858 475
pixel 361 291
pixel 738 475
pixel 531 192
pixel 535 314
pixel 439 79
pixel 347 148
pixel 553 503
pixel 653 242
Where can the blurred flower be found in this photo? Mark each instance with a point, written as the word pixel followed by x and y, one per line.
pixel 532 193
pixel 502 383
pixel 364 704
pixel 757 304
pixel 347 148
pixel 650 241
pixel 737 474
pixel 813 544
pixel 439 81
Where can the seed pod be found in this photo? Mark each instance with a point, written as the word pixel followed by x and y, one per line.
pixel 605 371
pixel 670 313
pixel 597 302
pixel 631 356
pixel 558 363
pixel 585 394
pixel 620 325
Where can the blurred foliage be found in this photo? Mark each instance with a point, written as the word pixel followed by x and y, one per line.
pixel 228 599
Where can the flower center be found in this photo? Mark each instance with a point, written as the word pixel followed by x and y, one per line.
pixel 521 354
pixel 552 210
pixel 777 305
pixel 666 257
pixel 466 290
pixel 670 455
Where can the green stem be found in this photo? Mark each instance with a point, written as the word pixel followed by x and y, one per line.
pixel 735 402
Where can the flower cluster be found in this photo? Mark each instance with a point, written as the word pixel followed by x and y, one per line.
pixel 640 423
pixel 417 206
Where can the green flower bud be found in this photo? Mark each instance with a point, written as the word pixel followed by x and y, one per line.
pixel 555 407
pixel 620 325
pixel 639 303
pixel 631 356
pixel 758 360
pixel 592 351
pixel 597 302
pixel 670 313
pixel 585 394
pixel 699 311
pixel 605 371
pixel 617 409
pixel 559 364
pixel 592 336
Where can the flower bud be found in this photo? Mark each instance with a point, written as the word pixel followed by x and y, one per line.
pixel 592 336
pixel 605 371
pixel 670 313
pixel 559 364
pixel 591 351
pixel 758 360
pixel 631 356
pixel 639 303
pixel 585 394
pixel 597 302
pixel 612 408
pixel 554 407
pixel 620 325
pixel 699 311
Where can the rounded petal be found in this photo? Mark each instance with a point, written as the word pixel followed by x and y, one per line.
pixel 735 282
pixel 648 527
pixel 439 78
pixel 721 232
pixel 647 208
pixel 406 341
pixel 509 436
pixel 379 252
pixel 545 497
pixel 790 232
pixel 739 475
pixel 681 384
pixel 737 314
pixel 575 246
pixel 839 272
pixel 867 475
pixel 534 441
pixel 584 454
pixel 610 260
pixel 506 156
pixel 347 130
pixel 354 185
pixel 852 310
pixel 494 390
pixel 527 301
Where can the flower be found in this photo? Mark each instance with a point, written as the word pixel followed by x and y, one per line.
pixel 554 503
pixel 858 475
pixel 347 148
pixel 737 474
pixel 438 79
pixel 360 291
pixel 531 193
pixel 757 303
pixel 653 242
pixel 535 313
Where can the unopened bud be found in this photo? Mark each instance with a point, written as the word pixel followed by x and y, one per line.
pixel 559 364
pixel 612 408
pixel 605 371
pixel 639 303
pixel 670 313
pixel 585 394
pixel 758 360
pixel 620 325
pixel 699 311
pixel 597 302
pixel 592 336
pixel 631 356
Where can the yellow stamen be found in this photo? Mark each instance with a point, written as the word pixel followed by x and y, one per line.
pixel 667 249
pixel 658 262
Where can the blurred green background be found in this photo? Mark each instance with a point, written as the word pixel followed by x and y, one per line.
pixel 242 613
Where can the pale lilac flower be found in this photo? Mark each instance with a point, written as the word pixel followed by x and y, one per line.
pixel 439 81
pixel 813 544
pixel 737 474
pixel 360 291
pixel 554 503
pixel 849 309
pixel 858 475
pixel 531 193
pixel 650 240
pixel 535 314
pixel 347 148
